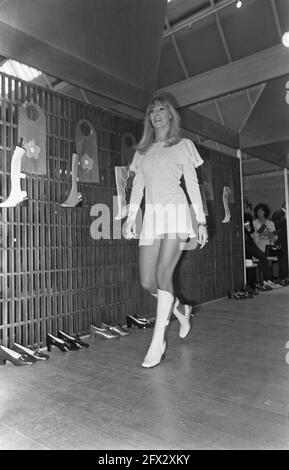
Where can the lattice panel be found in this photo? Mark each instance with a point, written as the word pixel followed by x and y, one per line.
pixel 54 275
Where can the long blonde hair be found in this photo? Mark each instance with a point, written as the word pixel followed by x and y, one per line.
pixel 173 135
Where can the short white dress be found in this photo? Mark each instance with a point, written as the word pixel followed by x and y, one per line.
pixel 167 210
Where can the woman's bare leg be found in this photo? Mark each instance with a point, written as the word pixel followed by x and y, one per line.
pixel 168 255
pixel 148 258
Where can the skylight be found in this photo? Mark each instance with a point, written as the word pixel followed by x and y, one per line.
pixel 16 69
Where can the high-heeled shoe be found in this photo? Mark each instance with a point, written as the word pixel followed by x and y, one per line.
pixel 116 328
pixel 59 343
pixel 132 320
pixel 33 355
pixel 103 332
pixel 17 359
pixel 184 318
pixel 75 342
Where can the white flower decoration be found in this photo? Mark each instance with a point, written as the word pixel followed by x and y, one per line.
pixel 32 150
pixel 86 162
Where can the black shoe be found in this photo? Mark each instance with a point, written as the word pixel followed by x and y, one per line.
pixel 248 293
pixel 133 320
pixel 235 294
pixel 59 343
pixel 74 342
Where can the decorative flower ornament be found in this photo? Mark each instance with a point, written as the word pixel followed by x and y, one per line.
pixel 32 150
pixel 86 162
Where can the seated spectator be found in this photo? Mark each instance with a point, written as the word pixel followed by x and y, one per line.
pixel 252 250
pixel 264 229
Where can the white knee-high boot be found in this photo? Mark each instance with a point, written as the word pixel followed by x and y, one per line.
pixel 158 344
pixel 184 318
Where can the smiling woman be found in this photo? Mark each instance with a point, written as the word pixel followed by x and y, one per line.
pixel 161 159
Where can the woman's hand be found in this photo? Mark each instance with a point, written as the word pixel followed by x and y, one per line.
pixel 130 229
pixel 202 235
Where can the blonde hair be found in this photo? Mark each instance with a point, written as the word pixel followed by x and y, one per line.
pixel 173 134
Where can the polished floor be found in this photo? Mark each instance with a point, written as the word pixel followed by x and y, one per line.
pixel 226 386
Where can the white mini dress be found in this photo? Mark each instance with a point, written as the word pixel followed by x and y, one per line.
pixel 167 210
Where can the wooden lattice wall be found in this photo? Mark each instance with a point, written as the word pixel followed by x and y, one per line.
pixel 53 274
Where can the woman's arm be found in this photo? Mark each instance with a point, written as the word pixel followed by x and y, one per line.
pixel 137 187
pixel 191 160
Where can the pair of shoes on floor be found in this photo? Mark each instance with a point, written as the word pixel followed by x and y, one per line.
pixel 261 287
pixel 21 355
pixel 239 294
pixel 137 321
pixel 271 284
pixel 251 289
pixel 109 330
pixel 65 342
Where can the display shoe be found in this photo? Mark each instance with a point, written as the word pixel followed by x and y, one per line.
pixel 116 328
pixel 59 343
pixel 136 320
pixel 74 342
pixel 103 332
pixel 158 345
pixel 74 199
pixel 17 359
pixel 184 318
pixel 34 355
pixel 16 196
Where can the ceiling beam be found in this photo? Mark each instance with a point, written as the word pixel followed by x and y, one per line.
pixel 264 174
pixel 205 127
pixel 221 32
pixel 187 22
pixel 250 139
pixel 276 18
pixel 267 156
pixel 238 75
pixel 177 50
pixel 31 51
pixel 252 106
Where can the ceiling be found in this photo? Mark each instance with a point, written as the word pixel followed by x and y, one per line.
pixel 226 67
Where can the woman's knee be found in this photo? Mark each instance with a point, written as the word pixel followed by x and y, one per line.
pixel 148 284
pixel 163 278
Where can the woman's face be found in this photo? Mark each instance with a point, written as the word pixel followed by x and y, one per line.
pixel 260 214
pixel 159 116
